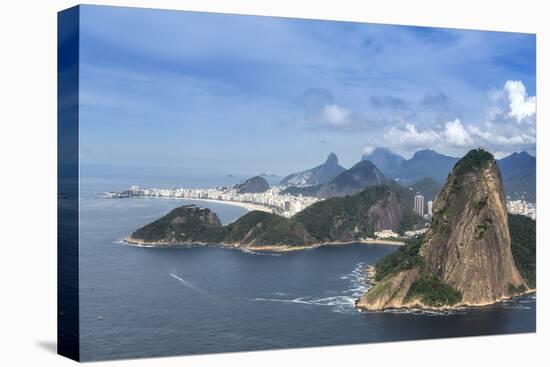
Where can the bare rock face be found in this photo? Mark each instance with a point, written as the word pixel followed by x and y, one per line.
pixel 466 256
pixel 391 292
pixel 386 214
pixel 468 245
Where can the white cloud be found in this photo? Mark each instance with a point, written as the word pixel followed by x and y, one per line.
pixel 493 137
pixel 456 134
pixel 368 150
pixel 411 136
pixel 335 115
pixel 512 104
pixel 521 105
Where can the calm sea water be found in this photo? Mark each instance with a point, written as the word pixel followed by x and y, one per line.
pixel 145 302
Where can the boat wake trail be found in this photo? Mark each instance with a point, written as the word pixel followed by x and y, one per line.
pixel 188 284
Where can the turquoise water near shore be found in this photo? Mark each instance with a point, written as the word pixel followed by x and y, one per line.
pixel 145 302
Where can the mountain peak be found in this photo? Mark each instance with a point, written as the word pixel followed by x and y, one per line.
pixel 473 160
pixel 379 150
pixel 470 220
pixel 363 164
pixel 355 179
pixel 520 155
pixel 316 175
pixel 466 254
pixel 332 159
pixel 423 153
pixel 386 160
pixel 255 184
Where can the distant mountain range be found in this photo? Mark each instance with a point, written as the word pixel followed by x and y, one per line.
pixel 424 163
pixel 519 175
pixel 427 187
pixel 317 175
pixel 349 182
pixel 518 170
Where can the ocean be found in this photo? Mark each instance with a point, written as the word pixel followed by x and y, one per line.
pixel 147 302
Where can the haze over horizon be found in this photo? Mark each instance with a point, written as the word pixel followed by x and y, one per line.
pixel 167 89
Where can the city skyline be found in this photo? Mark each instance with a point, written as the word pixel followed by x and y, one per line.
pixel 174 94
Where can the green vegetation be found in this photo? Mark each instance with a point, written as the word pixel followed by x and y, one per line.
pixel 336 218
pixel 284 231
pixel 428 187
pixel 183 224
pixel 524 250
pixel 481 228
pixel 472 161
pixel 407 257
pixel 481 204
pixel 431 291
pixel 409 221
pixel 305 191
pixel 248 223
pixel 347 218
pixel 512 289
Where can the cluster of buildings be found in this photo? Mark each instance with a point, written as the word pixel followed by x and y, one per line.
pixel 419 207
pixel 288 205
pixel 522 207
pixel 389 234
pixel 283 204
pixel 386 234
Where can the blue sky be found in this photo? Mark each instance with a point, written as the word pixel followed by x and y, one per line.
pixel 217 93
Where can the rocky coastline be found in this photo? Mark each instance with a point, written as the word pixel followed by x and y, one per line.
pixel 271 248
pixel 370 274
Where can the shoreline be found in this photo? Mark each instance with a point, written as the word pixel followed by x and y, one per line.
pixel 242 204
pixel 271 248
pixel 370 270
pixel 420 307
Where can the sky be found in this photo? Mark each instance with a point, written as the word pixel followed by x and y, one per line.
pixel 232 94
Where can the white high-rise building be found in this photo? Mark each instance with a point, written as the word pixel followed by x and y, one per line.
pixel 430 206
pixel 419 204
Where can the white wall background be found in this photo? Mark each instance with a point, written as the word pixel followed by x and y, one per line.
pixel 28 182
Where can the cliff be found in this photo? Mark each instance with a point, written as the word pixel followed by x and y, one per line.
pixel 469 244
pixel 466 256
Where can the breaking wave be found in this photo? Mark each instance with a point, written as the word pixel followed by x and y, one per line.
pixel 343 303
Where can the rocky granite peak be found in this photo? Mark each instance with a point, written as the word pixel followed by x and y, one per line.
pixel 468 245
pixel 332 159
pixel 465 257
